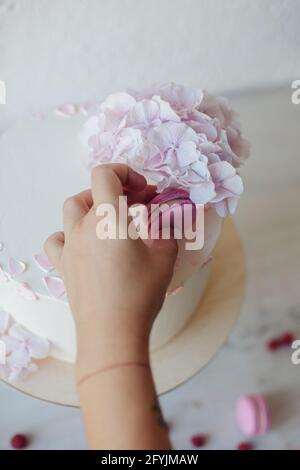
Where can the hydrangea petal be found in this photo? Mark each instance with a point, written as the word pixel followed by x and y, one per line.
pixel 25 291
pixel 213 158
pixel 4 371
pixel 55 286
pixel 21 346
pixel 16 374
pixel 43 262
pixel 166 113
pixel 88 106
pixel 16 267
pixel 221 171
pixel 232 203
pixel 5 321
pixel 234 185
pixel 187 153
pixel 3 276
pixel 202 193
pixel 11 343
pixel 201 169
pixel 221 195
pixel 37 346
pixel 221 208
pixel 19 332
pixel 181 98
pixel 144 113
pixel 90 129
pixel 20 358
pixel 67 110
pixel 118 103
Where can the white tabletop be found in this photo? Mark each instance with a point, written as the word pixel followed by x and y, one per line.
pixel 269 224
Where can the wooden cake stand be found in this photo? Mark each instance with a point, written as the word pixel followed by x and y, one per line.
pixel 186 353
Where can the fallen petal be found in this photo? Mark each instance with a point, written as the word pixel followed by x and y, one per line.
pixel 43 262
pixel 11 343
pixel 5 321
pixel 3 276
pixel 55 286
pixel 16 267
pixel 4 371
pixel 19 374
pixel 16 374
pixel 25 291
pixel 20 358
pixel 38 347
pixel 67 110
pixel 86 108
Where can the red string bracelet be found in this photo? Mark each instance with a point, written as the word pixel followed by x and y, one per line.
pixel 121 365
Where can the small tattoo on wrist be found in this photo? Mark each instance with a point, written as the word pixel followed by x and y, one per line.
pixel 159 416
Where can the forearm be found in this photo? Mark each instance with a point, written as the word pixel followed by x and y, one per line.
pixel 117 394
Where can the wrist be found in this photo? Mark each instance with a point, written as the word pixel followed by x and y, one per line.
pixel 100 346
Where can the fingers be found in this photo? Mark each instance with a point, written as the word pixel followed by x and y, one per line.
pixel 75 208
pixel 54 247
pixel 109 182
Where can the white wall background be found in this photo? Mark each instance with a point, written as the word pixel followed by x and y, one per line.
pixel 58 50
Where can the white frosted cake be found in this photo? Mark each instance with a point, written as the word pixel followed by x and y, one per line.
pixel 42 164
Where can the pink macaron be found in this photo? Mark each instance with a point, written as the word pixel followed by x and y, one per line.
pixel 252 414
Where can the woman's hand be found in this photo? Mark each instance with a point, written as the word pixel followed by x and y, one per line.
pixel 115 287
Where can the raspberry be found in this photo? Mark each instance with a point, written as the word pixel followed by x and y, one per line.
pixel 287 338
pixel 273 344
pixel 245 446
pixel 19 441
pixel 198 440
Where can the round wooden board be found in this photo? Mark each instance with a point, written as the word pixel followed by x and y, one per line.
pixel 189 351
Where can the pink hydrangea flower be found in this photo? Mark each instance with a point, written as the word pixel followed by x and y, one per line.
pixel 21 347
pixel 177 137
